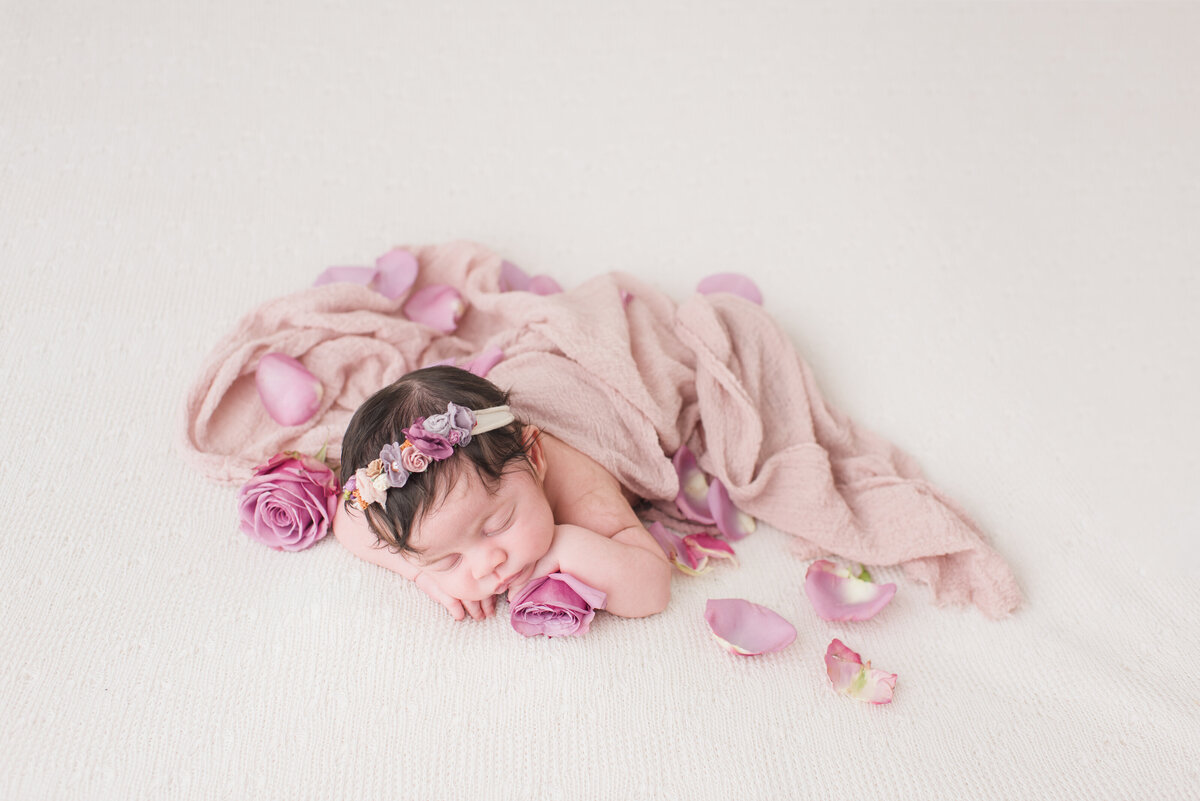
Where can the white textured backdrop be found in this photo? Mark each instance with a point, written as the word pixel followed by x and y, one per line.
pixel 977 221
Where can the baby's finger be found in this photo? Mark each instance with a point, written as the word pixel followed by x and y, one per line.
pixel 489 606
pixel 473 609
pixel 455 608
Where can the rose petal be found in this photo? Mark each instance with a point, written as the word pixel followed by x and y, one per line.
pixel 350 275
pixel 687 558
pixel 438 306
pixel 852 678
pixel 289 392
pixel 513 278
pixel 395 272
pixel 733 283
pixel 746 628
pixel 692 499
pixel 730 522
pixel 836 595
pixel 482 364
pixel 544 285
pixel 709 545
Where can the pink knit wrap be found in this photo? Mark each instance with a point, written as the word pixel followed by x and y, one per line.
pixel 625 374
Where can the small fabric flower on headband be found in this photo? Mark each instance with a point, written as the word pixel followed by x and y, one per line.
pixel 428 439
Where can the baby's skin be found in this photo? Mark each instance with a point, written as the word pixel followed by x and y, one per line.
pixel 568 514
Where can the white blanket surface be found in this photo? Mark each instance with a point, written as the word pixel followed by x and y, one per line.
pixel 977 222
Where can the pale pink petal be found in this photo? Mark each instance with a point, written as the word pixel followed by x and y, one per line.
pixel 852 678
pixel 438 306
pixel 289 392
pixel 669 541
pixel 544 285
pixel 512 278
pixel 709 545
pixel 692 499
pixel 733 283
pixel 837 595
pixel 687 558
pixel 746 628
pixel 395 272
pixel 484 362
pixel 350 275
pixel 730 522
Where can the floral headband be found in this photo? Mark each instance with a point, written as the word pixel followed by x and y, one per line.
pixel 428 439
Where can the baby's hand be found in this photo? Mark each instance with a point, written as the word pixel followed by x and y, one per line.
pixel 458 609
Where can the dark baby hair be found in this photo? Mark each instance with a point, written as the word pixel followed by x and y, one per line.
pixel 380 420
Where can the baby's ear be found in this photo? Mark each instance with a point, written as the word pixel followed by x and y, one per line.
pixel 531 440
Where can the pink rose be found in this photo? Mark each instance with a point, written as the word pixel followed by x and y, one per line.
pixel 413 460
pixel 289 502
pixel 557 605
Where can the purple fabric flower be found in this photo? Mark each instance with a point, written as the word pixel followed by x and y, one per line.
pixel 462 420
pixel 437 424
pixel 432 445
pixel 289 502
pixel 393 465
pixel 557 605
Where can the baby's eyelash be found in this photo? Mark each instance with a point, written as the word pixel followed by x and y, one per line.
pixel 449 565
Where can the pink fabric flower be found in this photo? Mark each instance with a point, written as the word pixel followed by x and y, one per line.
pixel 368 490
pixel 745 628
pixel 413 460
pixel 837 595
pixel 557 605
pixel 289 502
pixel 430 443
pixel 854 678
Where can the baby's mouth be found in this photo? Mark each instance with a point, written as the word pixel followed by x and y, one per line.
pixel 504 585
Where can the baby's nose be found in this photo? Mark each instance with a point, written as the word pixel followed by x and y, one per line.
pixel 487 561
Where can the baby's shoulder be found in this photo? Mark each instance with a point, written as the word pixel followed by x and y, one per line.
pixel 583 493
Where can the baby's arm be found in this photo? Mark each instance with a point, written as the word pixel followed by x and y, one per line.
pixel 629 566
pixel 353 532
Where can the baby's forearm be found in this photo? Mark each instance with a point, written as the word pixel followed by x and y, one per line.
pixel 636 579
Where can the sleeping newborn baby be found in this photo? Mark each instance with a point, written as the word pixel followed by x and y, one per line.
pixel 487 503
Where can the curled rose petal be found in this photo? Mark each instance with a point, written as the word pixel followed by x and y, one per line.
pixel 692 499
pixel 544 285
pixel 837 595
pixel 438 306
pixel 557 605
pixel 710 546
pixel 351 275
pixel 733 283
pixel 289 392
pixel 513 278
pixel 688 558
pixel 730 522
pixel 395 272
pixel 482 364
pixel 745 628
pixel 854 678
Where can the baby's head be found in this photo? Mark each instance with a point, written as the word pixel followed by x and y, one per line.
pixel 473 519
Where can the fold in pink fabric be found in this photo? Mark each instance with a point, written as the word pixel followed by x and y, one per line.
pixel 620 371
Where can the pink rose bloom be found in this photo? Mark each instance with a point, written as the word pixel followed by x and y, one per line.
pixel 289 502
pixel 557 605
pixel 413 460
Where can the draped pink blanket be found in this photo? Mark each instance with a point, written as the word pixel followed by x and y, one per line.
pixel 620 371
